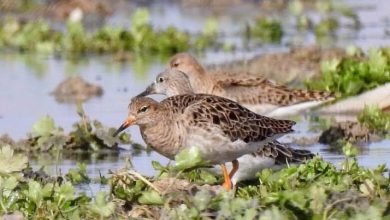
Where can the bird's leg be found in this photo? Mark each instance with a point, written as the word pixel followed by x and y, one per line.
pixel 234 169
pixel 227 184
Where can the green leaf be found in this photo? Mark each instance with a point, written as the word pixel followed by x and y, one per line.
pixel 106 136
pixel 267 29
pixel 101 207
pixel 157 166
pixel 189 158
pixel 78 175
pixel 207 177
pixel 43 127
pixel 210 27
pixel 9 162
pixel 150 198
pixel 10 183
pixel 202 199
pixel 140 18
pixel 47 190
pixel 34 192
pixel 66 191
pixel 354 86
pixel 349 150
pixel 273 213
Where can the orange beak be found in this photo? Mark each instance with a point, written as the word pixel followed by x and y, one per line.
pixel 129 121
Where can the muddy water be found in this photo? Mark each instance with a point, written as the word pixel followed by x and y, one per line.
pixel 27 80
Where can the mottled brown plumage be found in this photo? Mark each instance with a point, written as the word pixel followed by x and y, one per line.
pixel 283 154
pixel 220 128
pixel 271 155
pixel 176 115
pixel 247 89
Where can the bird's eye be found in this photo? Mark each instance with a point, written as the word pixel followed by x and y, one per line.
pixel 176 64
pixel 143 109
pixel 160 80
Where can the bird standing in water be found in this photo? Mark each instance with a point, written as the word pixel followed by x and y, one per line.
pixel 252 91
pixel 221 129
pixel 273 155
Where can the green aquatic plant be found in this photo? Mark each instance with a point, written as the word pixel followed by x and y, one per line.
pixel 351 76
pixel 47 201
pixel 92 135
pixel 186 163
pixel 140 38
pixel 189 158
pixel 195 174
pixel 102 207
pixel 78 175
pixel 209 35
pixel 85 135
pixel 375 119
pixel 205 205
pixel 326 26
pixel 33 36
pixel 267 29
pixel 10 162
pixel 330 12
pixel 317 189
pixel 35 195
pixel 45 135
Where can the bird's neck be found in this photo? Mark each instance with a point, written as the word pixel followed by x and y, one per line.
pixel 184 88
pixel 200 80
pixel 162 136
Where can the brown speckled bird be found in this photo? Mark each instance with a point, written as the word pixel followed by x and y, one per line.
pixel 221 129
pixel 252 91
pixel 273 155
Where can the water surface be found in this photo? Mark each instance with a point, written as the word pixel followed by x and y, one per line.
pixel 27 80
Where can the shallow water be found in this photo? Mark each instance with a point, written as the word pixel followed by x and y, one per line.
pixel 27 80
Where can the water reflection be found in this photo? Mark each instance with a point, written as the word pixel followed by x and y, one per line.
pixel 26 81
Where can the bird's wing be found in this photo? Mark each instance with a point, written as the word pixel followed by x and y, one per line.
pixel 225 78
pixel 232 119
pixel 283 154
pixel 251 89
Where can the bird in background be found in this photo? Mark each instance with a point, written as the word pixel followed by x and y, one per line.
pixel 273 155
pixel 252 91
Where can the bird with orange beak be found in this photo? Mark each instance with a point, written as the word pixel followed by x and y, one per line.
pixel 221 129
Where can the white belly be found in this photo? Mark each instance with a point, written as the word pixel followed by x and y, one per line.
pixel 218 149
pixel 293 109
pixel 262 109
pixel 249 165
pixel 270 110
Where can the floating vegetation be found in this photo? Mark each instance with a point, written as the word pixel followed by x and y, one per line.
pixel 78 175
pixel 315 189
pixel 326 26
pixel 86 135
pixel 140 38
pixel 330 12
pixel 38 200
pixel 10 163
pixel 319 190
pixel 376 120
pixel 351 76
pixel 267 29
